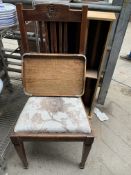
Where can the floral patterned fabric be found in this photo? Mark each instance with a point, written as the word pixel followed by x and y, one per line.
pixel 53 114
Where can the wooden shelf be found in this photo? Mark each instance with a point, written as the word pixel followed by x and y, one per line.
pixel 91 74
pixel 104 16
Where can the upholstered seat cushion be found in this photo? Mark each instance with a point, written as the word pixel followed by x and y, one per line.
pixel 53 114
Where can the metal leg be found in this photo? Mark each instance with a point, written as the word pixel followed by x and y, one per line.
pixel 6 76
pixel 116 46
pixel 3 166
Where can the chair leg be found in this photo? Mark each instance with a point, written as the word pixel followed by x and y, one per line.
pixel 86 149
pixel 19 147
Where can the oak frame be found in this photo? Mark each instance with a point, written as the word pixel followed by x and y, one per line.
pixel 18 138
pixel 53 13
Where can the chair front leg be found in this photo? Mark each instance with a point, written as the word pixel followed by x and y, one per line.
pixel 86 149
pixel 19 147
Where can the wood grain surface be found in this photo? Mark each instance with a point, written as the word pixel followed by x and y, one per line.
pixel 54 74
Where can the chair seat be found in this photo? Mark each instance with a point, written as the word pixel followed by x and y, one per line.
pixel 53 115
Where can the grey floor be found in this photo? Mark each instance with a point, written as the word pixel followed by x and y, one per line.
pixel 111 152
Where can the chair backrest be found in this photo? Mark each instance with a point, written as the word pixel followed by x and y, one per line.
pixel 54 74
pixel 59 28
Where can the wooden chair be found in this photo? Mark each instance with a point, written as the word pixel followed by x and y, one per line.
pixel 58 113
pixel 55 26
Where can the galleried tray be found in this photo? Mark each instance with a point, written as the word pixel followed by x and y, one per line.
pixel 54 74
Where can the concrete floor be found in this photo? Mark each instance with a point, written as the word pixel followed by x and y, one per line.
pixel 111 151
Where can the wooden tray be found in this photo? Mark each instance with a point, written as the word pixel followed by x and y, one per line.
pixel 54 74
